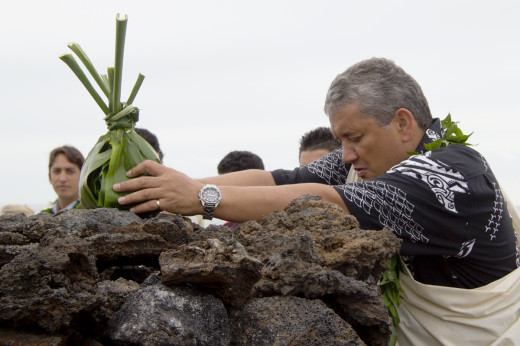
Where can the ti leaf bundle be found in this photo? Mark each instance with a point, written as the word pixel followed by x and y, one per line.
pixel 121 148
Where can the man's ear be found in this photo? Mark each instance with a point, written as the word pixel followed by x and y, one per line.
pixel 405 124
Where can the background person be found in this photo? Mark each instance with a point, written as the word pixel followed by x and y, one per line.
pixel 151 139
pixel 239 160
pixel 11 209
pixel 316 144
pixel 64 170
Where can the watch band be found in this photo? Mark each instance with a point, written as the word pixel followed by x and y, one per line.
pixel 209 210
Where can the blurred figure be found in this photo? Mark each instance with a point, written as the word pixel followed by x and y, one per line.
pixel 152 139
pixel 317 143
pixel 64 169
pixel 10 209
pixel 239 161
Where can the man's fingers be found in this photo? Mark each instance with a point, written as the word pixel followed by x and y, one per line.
pixel 138 196
pixel 145 207
pixel 146 167
pixel 136 184
pixel 150 182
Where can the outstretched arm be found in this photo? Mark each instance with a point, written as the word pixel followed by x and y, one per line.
pixel 177 193
pixel 241 204
pixel 249 177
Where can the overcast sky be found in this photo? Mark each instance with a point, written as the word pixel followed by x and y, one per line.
pixel 243 75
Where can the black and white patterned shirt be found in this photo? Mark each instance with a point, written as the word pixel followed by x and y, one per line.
pixel 446 206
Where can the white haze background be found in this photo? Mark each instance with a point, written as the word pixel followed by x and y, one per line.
pixel 246 75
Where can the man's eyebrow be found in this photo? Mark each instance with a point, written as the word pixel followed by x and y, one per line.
pixel 348 133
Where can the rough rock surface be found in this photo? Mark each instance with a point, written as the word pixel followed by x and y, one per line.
pixel 304 275
pixel 159 315
pixel 290 321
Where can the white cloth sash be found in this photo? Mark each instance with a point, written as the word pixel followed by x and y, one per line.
pixel 352 176
pixel 439 315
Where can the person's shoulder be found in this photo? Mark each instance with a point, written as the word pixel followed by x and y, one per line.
pixel 460 156
pixel 456 149
pixel 456 162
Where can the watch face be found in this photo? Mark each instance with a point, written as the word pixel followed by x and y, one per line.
pixel 211 195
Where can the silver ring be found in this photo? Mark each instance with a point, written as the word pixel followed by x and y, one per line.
pixel 158 205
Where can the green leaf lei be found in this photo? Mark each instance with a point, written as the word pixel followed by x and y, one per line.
pixel 389 282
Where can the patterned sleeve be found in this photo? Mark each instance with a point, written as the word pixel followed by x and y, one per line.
pixel 419 199
pixel 329 169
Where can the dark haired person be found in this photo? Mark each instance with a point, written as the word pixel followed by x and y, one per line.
pixel 315 144
pixel 64 169
pixel 459 248
pixel 151 139
pixel 239 160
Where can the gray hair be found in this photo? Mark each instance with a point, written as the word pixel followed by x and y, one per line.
pixel 380 88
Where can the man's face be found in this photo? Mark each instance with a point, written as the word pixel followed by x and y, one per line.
pixel 372 149
pixel 64 177
pixel 308 156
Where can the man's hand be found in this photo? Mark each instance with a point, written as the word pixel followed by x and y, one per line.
pixel 175 191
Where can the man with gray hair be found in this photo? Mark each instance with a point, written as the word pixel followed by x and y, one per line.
pixel 459 246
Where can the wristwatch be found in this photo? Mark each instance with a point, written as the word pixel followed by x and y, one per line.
pixel 210 197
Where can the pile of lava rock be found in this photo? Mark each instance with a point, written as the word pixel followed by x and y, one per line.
pixel 304 275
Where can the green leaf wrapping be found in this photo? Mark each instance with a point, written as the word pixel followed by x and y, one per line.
pixel 121 148
pixel 107 163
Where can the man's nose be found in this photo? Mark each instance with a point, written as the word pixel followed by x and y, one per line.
pixel 348 155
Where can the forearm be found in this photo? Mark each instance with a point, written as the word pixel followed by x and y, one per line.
pixel 241 204
pixel 250 177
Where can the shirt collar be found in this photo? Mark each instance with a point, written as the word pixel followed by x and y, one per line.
pixel 69 207
pixel 433 133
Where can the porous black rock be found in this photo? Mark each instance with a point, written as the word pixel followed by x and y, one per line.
pixel 111 277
